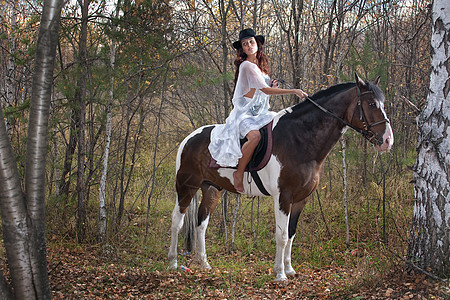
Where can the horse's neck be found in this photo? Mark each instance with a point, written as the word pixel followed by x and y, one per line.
pixel 320 132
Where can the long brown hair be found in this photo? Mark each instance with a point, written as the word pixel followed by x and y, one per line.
pixel 262 60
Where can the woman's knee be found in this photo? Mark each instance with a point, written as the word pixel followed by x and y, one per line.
pixel 254 136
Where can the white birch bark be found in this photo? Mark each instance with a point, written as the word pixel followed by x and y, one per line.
pixel 37 143
pixel 429 236
pixel 23 214
pixel 12 50
pixel 102 192
pixel 11 63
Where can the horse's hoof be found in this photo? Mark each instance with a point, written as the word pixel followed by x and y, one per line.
pixel 280 278
pixel 290 272
pixel 205 265
pixel 173 265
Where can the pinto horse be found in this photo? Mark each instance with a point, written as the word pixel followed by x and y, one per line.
pixel 303 136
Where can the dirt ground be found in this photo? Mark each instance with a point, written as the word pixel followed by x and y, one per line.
pixel 80 274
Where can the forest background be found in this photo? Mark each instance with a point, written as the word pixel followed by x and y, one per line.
pixel 133 78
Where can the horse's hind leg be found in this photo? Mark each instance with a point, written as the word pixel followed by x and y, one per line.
pixel 209 203
pixel 177 223
pixel 186 190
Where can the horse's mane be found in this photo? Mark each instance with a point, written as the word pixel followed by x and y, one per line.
pixel 324 94
pixel 332 90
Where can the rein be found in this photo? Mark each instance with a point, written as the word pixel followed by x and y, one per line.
pixel 366 132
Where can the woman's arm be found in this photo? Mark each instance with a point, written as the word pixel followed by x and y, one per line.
pixel 278 91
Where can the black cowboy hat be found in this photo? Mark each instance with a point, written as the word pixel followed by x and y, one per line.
pixel 245 34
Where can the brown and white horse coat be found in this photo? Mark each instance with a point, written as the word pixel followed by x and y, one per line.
pixel 303 136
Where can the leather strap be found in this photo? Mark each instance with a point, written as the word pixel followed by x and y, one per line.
pixel 259 183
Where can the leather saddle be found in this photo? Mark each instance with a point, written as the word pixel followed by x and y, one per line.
pixel 262 152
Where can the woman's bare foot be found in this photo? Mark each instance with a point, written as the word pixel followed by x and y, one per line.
pixel 238 185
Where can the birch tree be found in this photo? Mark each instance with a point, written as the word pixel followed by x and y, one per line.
pixel 23 214
pixel 429 237
pixel 11 62
pixel 102 193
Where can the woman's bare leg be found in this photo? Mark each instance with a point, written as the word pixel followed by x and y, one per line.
pixel 248 148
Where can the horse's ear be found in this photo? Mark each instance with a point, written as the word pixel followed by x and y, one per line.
pixel 359 81
pixel 377 81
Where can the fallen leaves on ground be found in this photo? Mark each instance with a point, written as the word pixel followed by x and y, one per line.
pixel 80 274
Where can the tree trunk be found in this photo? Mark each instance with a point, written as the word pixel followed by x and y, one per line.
pixel 297 10
pixel 37 142
pixel 235 220
pixel 64 182
pixel 14 220
pixel 155 152
pixel 293 31
pixel 5 288
pixel 11 63
pixel 223 225
pixel 102 192
pixel 122 171
pixel 81 186
pixel 224 42
pixel 429 239
pixel 344 175
pixel 23 218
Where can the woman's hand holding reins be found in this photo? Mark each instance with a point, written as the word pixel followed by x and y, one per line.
pixel 301 93
pixel 274 84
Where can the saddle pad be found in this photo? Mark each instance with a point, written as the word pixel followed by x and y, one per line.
pixel 262 152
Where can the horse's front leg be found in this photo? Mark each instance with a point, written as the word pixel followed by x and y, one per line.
pixel 288 269
pixel 296 210
pixel 281 237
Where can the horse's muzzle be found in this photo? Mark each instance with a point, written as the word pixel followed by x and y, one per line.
pixel 387 140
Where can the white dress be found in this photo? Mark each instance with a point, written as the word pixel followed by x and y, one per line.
pixel 248 114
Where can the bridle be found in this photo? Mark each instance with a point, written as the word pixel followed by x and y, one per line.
pixel 366 131
pixel 362 114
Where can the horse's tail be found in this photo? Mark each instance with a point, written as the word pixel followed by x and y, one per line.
pixel 190 223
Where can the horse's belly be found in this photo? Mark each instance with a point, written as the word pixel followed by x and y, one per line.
pixel 268 175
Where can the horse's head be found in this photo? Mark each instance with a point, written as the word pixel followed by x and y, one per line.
pixel 369 115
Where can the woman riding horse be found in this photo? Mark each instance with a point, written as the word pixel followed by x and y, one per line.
pixel 251 106
pixel 303 136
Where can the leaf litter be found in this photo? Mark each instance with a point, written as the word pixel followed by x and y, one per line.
pixel 81 274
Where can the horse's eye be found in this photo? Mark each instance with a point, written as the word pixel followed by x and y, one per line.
pixel 373 104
